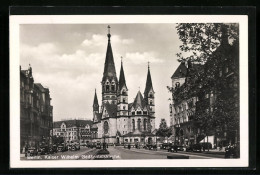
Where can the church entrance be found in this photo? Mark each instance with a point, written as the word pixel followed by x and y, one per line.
pixel 149 140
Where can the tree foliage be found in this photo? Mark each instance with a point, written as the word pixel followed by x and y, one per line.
pixel 215 47
pixel 164 130
pixel 200 40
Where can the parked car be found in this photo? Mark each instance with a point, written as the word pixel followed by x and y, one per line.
pixel 69 147
pixel 91 145
pixel 173 148
pixel 62 147
pixel 51 150
pixel 165 146
pixel 196 148
pixel 206 145
pixel 189 148
pixel 98 145
pixel 31 152
pixel 75 146
pixel 43 150
pixel 54 147
pixel 180 148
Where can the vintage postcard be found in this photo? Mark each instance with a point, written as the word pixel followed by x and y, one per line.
pixel 128 91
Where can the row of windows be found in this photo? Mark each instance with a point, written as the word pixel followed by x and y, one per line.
pixel 139 112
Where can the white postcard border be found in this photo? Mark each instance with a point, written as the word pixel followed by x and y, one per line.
pixel 15 21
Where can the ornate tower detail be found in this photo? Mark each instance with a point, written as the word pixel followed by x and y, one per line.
pixel 109 80
pixel 95 104
pixel 149 93
pixel 122 94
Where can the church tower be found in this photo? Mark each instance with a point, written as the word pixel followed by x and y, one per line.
pixel 109 80
pixel 122 95
pixel 149 93
pixel 95 104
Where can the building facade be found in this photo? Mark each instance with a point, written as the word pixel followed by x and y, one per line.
pixel 35 111
pixel 182 109
pixel 80 131
pixel 215 100
pixel 117 120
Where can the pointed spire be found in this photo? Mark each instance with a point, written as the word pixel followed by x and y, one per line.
pixel 138 100
pixel 109 69
pixel 95 103
pixel 149 84
pixel 108 32
pixel 122 81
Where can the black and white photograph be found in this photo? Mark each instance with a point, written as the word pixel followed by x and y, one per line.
pixel 128 91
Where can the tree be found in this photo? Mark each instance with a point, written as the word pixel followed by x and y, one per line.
pixel 214 46
pixel 200 40
pixel 164 130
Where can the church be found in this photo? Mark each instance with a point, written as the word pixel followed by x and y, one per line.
pixel 117 120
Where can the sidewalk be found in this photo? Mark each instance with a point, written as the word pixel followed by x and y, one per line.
pixel 215 151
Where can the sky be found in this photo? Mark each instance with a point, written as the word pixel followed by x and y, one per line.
pixel 69 60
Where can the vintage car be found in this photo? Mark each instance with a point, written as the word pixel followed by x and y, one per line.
pixel 75 146
pixel 62 147
pixel 54 148
pixel 31 152
pixel 173 148
pixel 43 150
pixel 91 145
pixel 196 148
pixel 51 150
pixel 151 147
pixel 165 146
pixel 98 145
pixel 180 148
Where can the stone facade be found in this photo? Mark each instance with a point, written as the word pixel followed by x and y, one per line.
pixel 117 119
pixel 80 131
pixel 35 111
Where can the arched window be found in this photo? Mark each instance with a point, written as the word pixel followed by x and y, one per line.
pixel 151 102
pixel 145 123
pixel 106 127
pixel 113 86
pixel 139 124
pixel 107 87
pixel 133 124
pixel 124 92
pixel 123 100
pixel 151 95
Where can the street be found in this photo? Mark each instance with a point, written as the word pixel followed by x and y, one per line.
pixel 121 153
pixel 134 153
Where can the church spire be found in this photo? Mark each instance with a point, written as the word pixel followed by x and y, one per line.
pixel 109 69
pixel 149 84
pixel 138 100
pixel 122 81
pixel 95 99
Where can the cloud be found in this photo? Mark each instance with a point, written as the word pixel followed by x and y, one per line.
pixel 140 58
pixel 45 58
